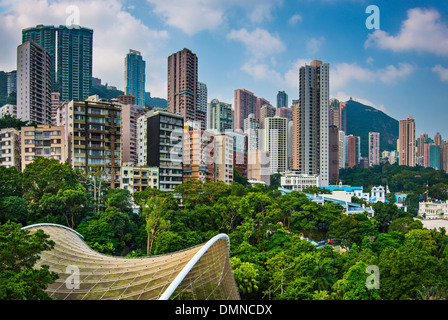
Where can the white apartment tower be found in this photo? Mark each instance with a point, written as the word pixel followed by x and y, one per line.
pixel 33 83
pixel 374 148
pixel 276 143
pixel 311 121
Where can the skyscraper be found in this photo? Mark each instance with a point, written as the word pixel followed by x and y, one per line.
pixel 183 85
pixel 219 116
pixel 353 150
pixel 11 82
pixel 134 76
pixel 33 83
pixel 310 116
pixel 407 142
pixel 333 154
pixel 245 104
pixel 70 49
pixel 276 143
pixel 282 99
pixel 202 96
pixel 374 148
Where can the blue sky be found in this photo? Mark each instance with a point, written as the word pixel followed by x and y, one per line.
pixel 402 68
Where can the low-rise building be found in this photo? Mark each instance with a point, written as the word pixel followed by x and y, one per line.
pixel 42 141
pixel 10 109
pixel 433 209
pixel 138 178
pixel 295 181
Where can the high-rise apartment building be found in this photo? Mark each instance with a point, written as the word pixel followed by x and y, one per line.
pixel 10 148
pixel 70 49
pixel 223 155
pixel 160 144
pixel 343 117
pixel 11 82
pixel 407 142
pixel 342 149
pixel 240 152
pixel 284 112
pixel 353 150
pixel 259 104
pixel 333 153
pixel 54 106
pixel 183 86
pixel 129 115
pixel 219 116
pixel 202 97
pixel 33 83
pixel 198 153
pixel 334 113
pixel 374 148
pixel 135 76
pixel 93 134
pixel 245 104
pixel 276 143
pixel 420 151
pixel 434 157
pixel 310 116
pixel 266 111
pixel 251 128
pixel 282 99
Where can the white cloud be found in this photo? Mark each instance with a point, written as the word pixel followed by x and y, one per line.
pixel 343 73
pixel 295 18
pixel 260 43
pixel 422 31
pixel 115 32
pixel 441 71
pixel 191 16
pixel 313 45
pixel 261 71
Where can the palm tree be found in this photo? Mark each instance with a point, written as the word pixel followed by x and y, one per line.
pixel 322 271
pixel 432 293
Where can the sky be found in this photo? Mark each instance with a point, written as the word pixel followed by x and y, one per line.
pixel 399 67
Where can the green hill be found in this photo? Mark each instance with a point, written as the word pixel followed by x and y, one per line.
pixel 362 119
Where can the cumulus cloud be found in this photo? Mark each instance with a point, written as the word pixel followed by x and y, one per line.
pixel 260 43
pixel 343 73
pixel 193 16
pixel 295 18
pixel 313 45
pixel 422 31
pixel 115 32
pixel 441 71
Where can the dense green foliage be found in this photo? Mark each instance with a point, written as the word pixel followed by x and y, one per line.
pixel 419 183
pixel 269 256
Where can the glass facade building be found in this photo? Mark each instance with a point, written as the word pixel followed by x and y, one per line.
pixel 134 76
pixel 70 49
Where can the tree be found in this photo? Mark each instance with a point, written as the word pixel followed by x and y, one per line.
pixel 19 251
pixel 13 208
pixel 47 176
pixel 246 277
pixel 322 272
pixel 154 212
pixel 70 202
pixel 99 235
pixel 353 285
